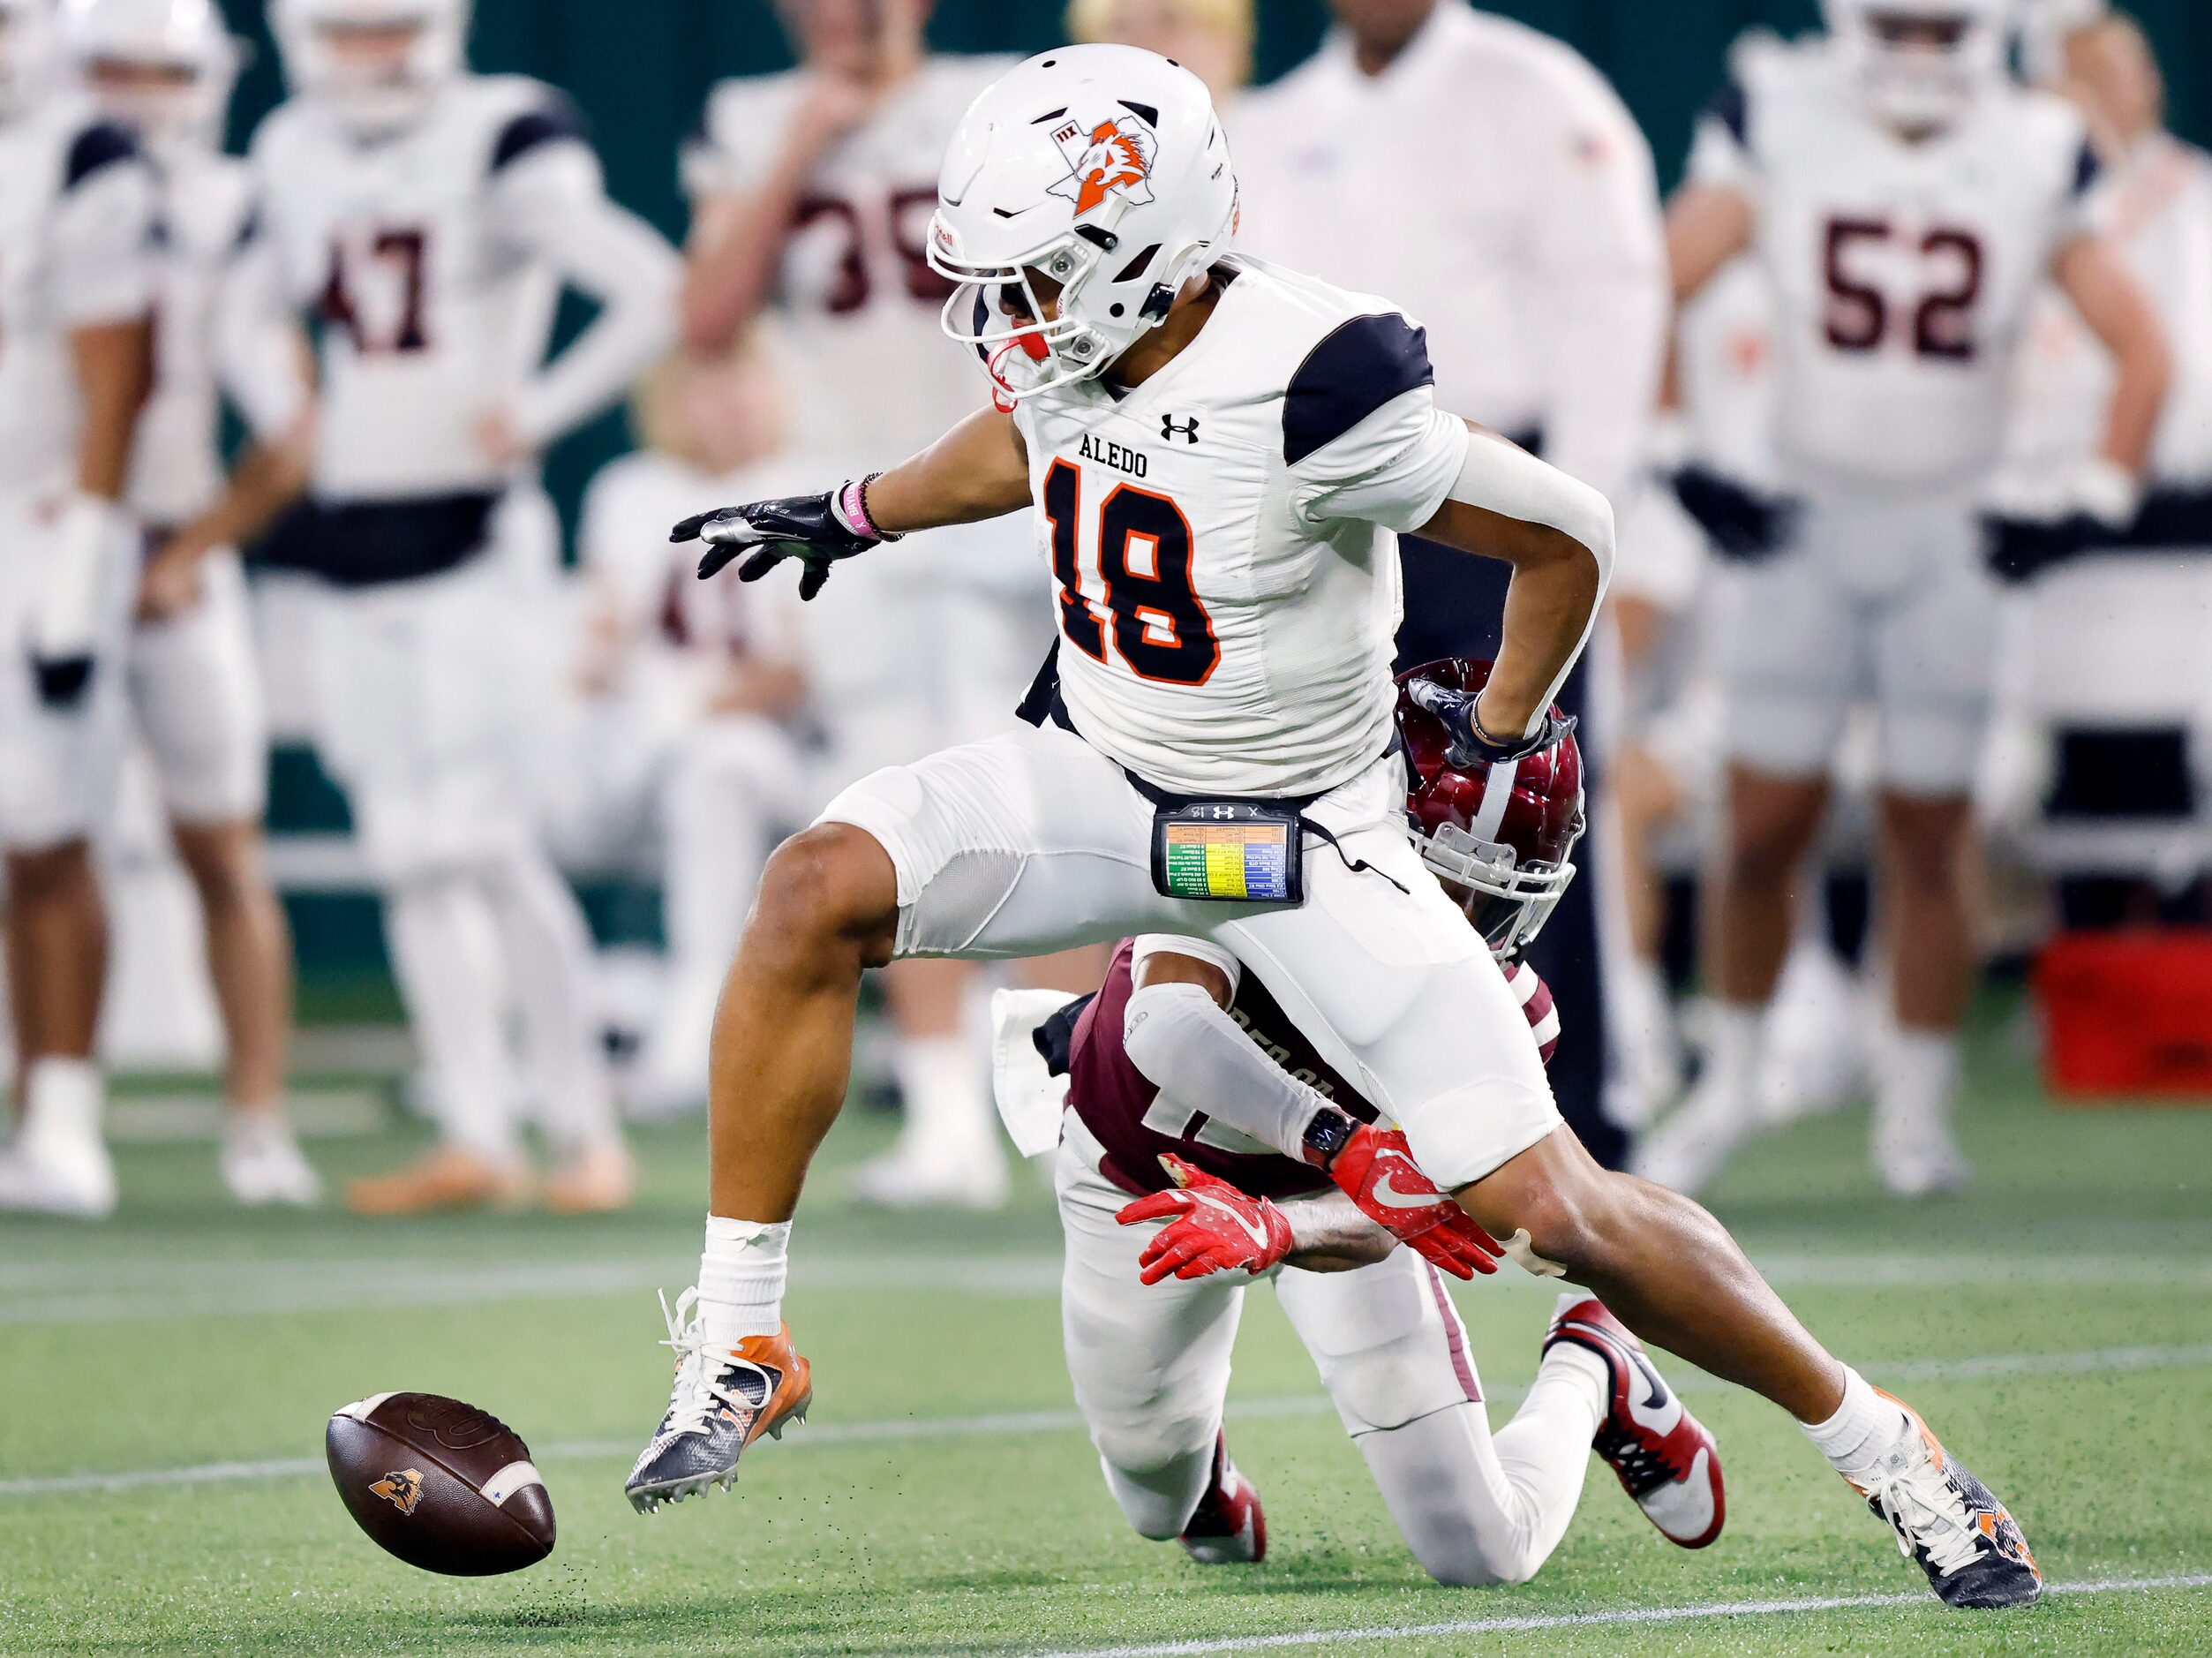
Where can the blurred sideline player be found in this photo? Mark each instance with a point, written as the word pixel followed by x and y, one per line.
pixel 1210 38
pixel 1148 1105
pixel 1488 178
pixel 812 192
pixel 1906 199
pixel 165 70
pixel 76 224
pixel 683 738
pixel 431 216
pixel 1220 699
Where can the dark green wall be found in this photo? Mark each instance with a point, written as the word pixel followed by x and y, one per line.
pixel 641 69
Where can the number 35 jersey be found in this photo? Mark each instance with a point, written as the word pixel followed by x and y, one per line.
pixel 1902 273
pixel 1223 538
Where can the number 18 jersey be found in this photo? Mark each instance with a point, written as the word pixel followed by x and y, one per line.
pixel 1902 272
pixel 1221 537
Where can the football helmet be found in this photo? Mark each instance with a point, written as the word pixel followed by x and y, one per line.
pixel 26 53
pixel 371 96
pixel 1500 835
pixel 1922 62
pixel 1102 170
pixel 185 37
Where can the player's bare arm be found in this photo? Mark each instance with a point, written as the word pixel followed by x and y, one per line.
pixel 114 363
pixel 1707 225
pixel 269 476
pixel 2111 303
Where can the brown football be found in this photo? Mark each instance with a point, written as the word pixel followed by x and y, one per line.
pixel 443 1485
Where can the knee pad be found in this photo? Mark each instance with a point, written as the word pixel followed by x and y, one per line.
pixel 1391 1349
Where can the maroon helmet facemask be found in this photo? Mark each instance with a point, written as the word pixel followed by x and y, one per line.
pixel 1504 831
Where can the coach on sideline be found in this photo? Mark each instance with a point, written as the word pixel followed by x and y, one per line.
pixel 1488 177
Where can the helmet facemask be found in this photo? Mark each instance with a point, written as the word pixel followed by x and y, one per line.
pixel 1921 63
pixel 1507 904
pixel 379 63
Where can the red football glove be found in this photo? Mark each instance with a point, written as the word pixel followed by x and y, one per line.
pixel 1212 1227
pixel 1377 1172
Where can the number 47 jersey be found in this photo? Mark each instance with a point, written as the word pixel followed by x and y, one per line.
pixel 1222 536
pixel 1902 272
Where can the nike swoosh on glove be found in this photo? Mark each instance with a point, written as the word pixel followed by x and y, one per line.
pixel 1377 1172
pixel 809 528
pixel 1743 524
pixel 1212 1227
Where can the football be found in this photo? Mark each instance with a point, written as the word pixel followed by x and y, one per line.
pixel 443 1485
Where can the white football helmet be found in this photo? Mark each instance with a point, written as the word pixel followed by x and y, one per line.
pixel 1100 169
pixel 379 98
pixel 186 37
pixel 1912 78
pixel 26 54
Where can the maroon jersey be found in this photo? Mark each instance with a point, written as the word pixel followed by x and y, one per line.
pixel 1122 1108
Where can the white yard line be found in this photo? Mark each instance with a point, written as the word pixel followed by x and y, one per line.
pixel 120 1289
pixel 998 1424
pixel 1533 1621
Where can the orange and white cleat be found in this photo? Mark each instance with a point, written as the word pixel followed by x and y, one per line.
pixel 724 1399
pixel 447 1177
pixel 1664 1456
pixel 1949 1523
pixel 1227 1527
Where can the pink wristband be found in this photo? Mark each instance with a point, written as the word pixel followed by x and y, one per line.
pixel 852 506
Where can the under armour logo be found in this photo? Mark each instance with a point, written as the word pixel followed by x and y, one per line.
pixel 1187 430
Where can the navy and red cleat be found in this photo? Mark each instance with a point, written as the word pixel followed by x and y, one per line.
pixel 1664 1456
pixel 1227 1527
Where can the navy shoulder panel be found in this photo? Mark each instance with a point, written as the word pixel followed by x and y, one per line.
pixel 1361 366
pixel 1733 111
pixel 550 123
pixel 2086 168
pixel 103 144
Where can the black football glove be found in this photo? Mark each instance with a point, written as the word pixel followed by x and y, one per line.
pixel 809 528
pixel 2018 550
pixel 62 681
pixel 1742 525
pixel 1465 743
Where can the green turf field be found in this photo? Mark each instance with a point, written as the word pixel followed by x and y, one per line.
pixel 164 1381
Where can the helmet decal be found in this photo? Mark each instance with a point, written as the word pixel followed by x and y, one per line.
pixel 1109 158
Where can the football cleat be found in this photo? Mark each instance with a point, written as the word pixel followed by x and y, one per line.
pixel 54 1174
pixel 446 1177
pixel 1915 1150
pixel 724 1399
pixel 262 1165
pixel 1690 1148
pixel 1227 1527
pixel 599 1180
pixel 1948 1521
pixel 913 1174
pixel 1667 1459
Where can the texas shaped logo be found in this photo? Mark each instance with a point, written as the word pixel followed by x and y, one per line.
pixel 1112 158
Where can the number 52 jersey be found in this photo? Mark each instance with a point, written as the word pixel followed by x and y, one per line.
pixel 1221 537
pixel 1903 272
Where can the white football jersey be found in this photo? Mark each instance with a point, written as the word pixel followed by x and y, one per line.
pixel 1222 536
pixel 1902 273
pixel 176 460
pixel 75 233
pixel 874 383
pixel 435 258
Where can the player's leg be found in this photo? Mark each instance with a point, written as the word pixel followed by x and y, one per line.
pixel 1149 1363
pixel 1934 672
pixel 1674 1277
pixel 197 703
pixel 376 720
pixel 1789 658
pixel 1474 1509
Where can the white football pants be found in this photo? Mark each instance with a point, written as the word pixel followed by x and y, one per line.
pixel 1033 842
pixel 1150 1365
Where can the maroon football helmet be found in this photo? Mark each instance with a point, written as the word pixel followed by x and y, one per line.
pixel 1503 833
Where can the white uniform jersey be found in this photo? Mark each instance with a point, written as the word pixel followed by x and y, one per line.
pixel 1902 273
pixel 2156 206
pixel 1490 181
pixel 435 258
pixel 175 459
pixel 1222 538
pixel 75 233
pixel 860 300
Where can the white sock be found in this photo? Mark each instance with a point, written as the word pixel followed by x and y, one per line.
pixel 1732 1060
pixel 1572 1361
pixel 742 1278
pixel 1864 1427
pixel 942 1081
pixel 1920 1072
pixel 546 948
pixel 62 1100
